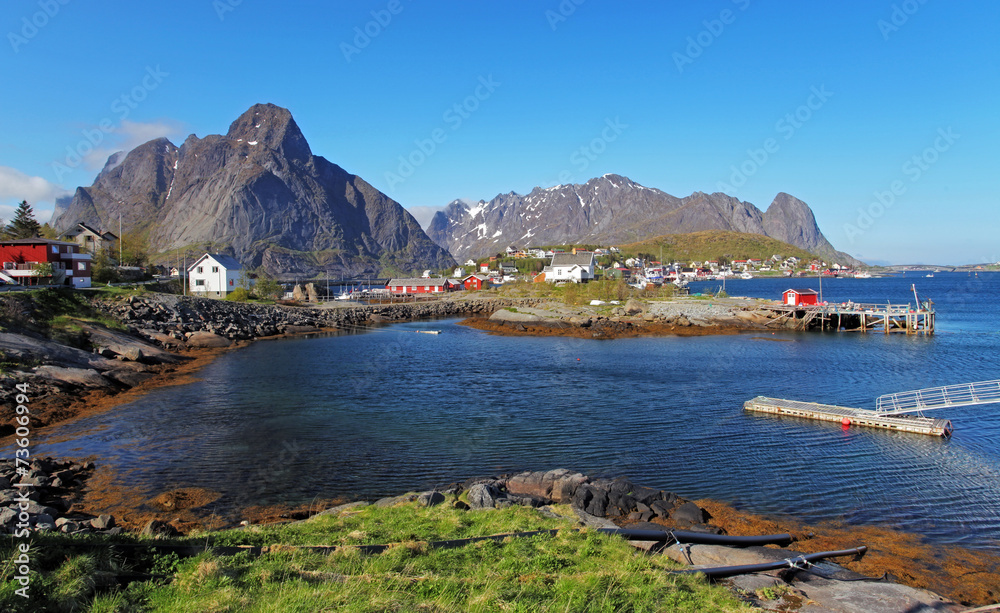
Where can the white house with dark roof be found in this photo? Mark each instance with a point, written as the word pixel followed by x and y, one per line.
pixel 214 274
pixel 576 267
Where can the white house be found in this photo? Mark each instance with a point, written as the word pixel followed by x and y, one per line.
pixel 215 274
pixel 576 267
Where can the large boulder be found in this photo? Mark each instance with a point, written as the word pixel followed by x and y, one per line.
pixel 26 349
pixel 505 316
pixel 484 496
pixel 77 377
pixel 556 485
pixel 126 345
pixel 634 307
pixel 208 339
pixel 690 513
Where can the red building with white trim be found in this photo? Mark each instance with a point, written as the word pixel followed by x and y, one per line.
pixel 798 297
pixel 20 257
pixel 473 282
pixel 422 286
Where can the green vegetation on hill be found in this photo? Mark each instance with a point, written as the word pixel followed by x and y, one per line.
pixel 715 245
pixel 572 571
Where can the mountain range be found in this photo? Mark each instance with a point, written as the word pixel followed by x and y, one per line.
pixel 612 210
pixel 259 194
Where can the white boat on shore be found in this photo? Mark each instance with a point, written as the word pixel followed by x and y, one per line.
pixel 863 275
pixel 746 275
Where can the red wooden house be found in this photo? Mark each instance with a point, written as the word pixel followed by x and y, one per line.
pixel 422 286
pixel 20 258
pixel 473 282
pixel 798 297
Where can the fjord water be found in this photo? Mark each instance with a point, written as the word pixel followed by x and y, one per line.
pixel 386 411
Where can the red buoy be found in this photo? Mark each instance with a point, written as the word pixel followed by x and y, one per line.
pixel 846 422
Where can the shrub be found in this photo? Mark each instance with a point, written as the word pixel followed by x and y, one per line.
pixel 240 294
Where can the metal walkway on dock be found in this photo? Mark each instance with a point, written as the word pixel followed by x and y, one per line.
pixel 965 394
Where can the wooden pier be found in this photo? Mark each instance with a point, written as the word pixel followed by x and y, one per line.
pixel 857 317
pixel 849 416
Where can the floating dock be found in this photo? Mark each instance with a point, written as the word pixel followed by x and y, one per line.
pixel 849 416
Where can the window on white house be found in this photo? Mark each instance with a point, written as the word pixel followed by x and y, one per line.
pixel 215 269
pixel 200 270
pixel 198 282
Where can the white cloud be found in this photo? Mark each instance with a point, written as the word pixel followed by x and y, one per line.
pixel 423 214
pixel 16 186
pixel 128 136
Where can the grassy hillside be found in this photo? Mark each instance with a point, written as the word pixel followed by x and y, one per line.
pixel 713 245
pixel 571 571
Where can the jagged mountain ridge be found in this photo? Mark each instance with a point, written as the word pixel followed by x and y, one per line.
pixel 258 193
pixel 613 209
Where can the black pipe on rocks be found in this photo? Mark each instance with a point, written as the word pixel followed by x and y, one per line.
pixel 699 538
pixel 798 563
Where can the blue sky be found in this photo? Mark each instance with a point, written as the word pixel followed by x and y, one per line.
pixel 882 116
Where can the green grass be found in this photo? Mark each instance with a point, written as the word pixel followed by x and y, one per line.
pixel 572 571
pixel 715 244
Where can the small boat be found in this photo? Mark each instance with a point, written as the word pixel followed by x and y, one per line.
pixel 930 275
pixel 428 332
pixel 863 275
pixel 746 275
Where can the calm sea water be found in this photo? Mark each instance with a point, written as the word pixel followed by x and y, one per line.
pixel 386 411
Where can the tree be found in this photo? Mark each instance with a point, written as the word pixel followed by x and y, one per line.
pixel 266 287
pixel 43 270
pixel 47 231
pixel 103 269
pixel 134 250
pixel 24 224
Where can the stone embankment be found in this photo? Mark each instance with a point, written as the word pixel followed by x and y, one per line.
pixel 174 320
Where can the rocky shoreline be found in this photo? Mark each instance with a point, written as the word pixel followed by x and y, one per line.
pixel 50 491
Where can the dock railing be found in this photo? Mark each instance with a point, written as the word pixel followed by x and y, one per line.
pixel 965 394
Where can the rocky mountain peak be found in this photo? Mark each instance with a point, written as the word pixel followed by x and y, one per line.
pixel 273 127
pixel 613 209
pixel 259 194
